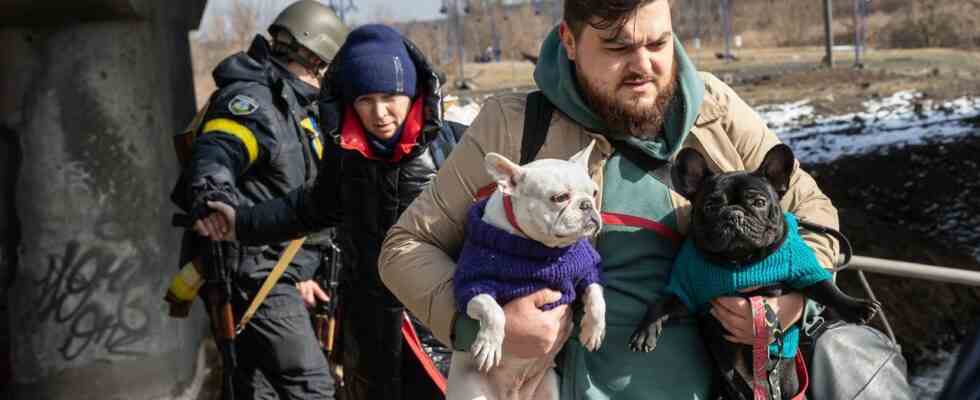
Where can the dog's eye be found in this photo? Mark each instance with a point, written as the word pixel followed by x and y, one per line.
pixel 560 198
pixel 758 203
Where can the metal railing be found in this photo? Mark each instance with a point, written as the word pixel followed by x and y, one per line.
pixel 905 269
pixel 915 270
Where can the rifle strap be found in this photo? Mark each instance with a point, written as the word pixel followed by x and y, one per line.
pixel 270 281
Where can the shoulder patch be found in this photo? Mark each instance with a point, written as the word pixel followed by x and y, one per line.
pixel 242 105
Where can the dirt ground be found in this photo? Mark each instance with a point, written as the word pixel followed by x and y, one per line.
pixel 781 75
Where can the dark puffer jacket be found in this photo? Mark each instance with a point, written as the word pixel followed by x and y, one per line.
pixel 364 197
pixel 256 140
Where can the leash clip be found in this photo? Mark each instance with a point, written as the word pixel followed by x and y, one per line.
pixel 814 327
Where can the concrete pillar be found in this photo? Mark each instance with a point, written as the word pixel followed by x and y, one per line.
pixel 90 93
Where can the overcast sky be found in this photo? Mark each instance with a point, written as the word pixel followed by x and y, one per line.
pixel 367 10
pixel 401 10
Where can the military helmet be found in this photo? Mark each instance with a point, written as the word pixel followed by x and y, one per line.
pixel 313 26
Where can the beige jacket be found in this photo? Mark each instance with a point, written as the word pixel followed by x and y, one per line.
pixel 416 261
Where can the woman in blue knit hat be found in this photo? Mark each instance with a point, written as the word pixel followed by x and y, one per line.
pixel 382 114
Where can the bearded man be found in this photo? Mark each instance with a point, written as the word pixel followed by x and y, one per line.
pixel 616 74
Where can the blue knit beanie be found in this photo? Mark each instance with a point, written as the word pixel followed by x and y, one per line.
pixel 374 60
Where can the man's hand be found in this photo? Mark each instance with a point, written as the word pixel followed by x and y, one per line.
pixel 219 225
pixel 311 292
pixel 735 314
pixel 531 332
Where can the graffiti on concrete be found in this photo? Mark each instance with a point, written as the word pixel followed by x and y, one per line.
pixel 100 296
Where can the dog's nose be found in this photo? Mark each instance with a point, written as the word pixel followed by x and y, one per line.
pixel 585 205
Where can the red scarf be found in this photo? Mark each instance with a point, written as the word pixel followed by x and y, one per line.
pixel 353 136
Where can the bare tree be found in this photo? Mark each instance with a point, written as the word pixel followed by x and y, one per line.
pixel 228 30
pixel 243 21
pixel 246 18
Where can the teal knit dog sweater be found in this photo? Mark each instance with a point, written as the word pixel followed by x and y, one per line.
pixel 696 281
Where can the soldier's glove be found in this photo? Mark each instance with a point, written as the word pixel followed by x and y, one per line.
pixel 209 191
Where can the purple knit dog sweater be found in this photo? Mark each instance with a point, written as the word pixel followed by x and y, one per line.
pixel 506 266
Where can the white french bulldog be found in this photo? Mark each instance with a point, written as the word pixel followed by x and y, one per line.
pixel 552 202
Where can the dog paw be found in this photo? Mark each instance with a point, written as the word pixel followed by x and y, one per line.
pixel 645 337
pixel 487 349
pixel 593 331
pixel 862 311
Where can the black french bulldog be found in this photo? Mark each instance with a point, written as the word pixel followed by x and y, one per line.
pixel 738 227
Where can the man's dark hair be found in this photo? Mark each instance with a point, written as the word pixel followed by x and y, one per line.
pixel 600 14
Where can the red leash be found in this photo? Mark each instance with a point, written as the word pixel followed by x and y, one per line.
pixel 760 355
pixel 412 339
pixel 760 348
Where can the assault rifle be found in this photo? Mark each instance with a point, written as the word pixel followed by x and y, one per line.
pixel 325 313
pixel 216 292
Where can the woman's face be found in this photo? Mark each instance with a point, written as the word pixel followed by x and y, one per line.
pixel 382 113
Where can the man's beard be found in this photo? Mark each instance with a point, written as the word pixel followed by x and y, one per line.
pixel 628 116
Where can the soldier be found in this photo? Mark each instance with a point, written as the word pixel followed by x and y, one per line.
pixel 258 139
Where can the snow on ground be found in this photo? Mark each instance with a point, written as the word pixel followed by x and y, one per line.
pixel 463 114
pixel 905 118
pixel 788 114
pixel 460 110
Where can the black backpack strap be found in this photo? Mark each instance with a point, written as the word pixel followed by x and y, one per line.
pixel 845 245
pixel 537 120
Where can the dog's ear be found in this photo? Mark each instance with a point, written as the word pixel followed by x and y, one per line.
pixel 777 167
pixel 507 174
pixel 689 172
pixel 582 157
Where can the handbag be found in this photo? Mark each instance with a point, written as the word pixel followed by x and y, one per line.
pixel 848 361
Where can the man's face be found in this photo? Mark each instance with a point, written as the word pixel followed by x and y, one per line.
pixel 627 74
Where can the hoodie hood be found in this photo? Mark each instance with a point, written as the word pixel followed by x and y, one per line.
pixel 251 66
pixel 258 65
pixel 555 76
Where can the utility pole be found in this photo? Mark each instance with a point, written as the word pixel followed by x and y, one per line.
pixel 725 9
pixel 494 6
pixel 454 36
pixel 828 17
pixel 860 13
pixel 697 24
pixel 342 8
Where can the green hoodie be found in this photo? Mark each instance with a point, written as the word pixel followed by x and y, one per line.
pixel 636 262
